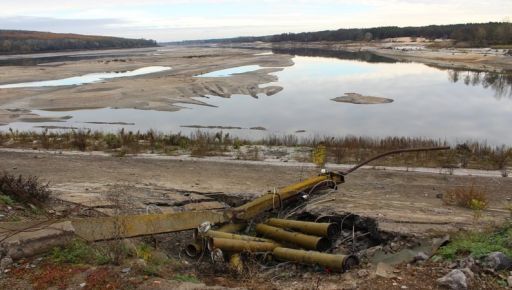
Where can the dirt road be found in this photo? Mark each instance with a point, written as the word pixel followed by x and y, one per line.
pixel 403 202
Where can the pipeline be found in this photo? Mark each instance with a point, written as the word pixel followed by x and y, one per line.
pixel 333 262
pixel 237 246
pixel 218 234
pixel 302 240
pixel 328 230
pixel 391 153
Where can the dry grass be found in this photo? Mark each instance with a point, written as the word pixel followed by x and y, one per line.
pixel 24 189
pixel 344 149
pixel 470 197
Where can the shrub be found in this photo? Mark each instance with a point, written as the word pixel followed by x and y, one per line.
pixel 26 190
pixel 79 252
pixel 468 197
pixel 79 140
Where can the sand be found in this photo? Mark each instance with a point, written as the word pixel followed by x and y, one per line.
pixel 163 91
pixel 355 98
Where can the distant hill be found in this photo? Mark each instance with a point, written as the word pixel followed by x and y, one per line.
pixel 21 41
pixel 473 34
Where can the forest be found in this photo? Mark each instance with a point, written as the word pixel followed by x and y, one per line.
pixel 473 34
pixel 19 41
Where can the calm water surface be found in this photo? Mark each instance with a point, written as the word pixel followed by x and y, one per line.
pixel 87 79
pixel 428 102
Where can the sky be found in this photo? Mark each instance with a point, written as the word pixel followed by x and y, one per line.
pixel 175 20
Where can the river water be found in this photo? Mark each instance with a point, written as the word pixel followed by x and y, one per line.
pixel 428 102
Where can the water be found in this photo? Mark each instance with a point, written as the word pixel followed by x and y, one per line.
pixel 428 102
pixel 87 79
pixel 230 71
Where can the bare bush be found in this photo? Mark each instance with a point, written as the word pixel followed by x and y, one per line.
pixel 24 189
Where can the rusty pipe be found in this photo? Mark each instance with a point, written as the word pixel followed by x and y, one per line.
pixel 237 246
pixel 328 230
pixel 194 249
pixel 391 153
pixel 333 262
pixel 217 234
pixel 302 240
pixel 231 228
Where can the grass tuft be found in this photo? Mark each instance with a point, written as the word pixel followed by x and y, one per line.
pixel 478 244
pixel 186 278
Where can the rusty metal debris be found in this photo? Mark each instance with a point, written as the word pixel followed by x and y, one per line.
pixel 328 230
pixel 302 240
pixel 333 262
pixel 221 232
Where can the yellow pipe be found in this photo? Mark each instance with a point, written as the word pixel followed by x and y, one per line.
pixel 238 246
pixel 328 230
pixel 236 264
pixel 302 240
pixel 194 249
pixel 231 228
pixel 274 200
pixel 217 234
pixel 333 262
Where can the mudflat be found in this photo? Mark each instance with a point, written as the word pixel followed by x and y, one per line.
pixel 401 202
pixel 162 91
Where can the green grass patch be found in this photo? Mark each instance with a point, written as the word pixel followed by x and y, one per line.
pixel 5 199
pixel 479 244
pixel 186 278
pixel 80 252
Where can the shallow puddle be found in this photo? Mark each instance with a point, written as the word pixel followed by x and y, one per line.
pixel 230 71
pixel 87 79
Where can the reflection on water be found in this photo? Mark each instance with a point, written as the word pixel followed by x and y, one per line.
pixel 500 83
pixel 230 71
pixel 30 61
pixel 340 54
pixel 87 79
pixel 426 104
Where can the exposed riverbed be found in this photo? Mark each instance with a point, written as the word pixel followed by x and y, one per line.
pixel 242 91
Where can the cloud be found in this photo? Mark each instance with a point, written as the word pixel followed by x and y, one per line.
pixel 167 20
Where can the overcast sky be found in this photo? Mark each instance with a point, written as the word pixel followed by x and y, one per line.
pixel 171 20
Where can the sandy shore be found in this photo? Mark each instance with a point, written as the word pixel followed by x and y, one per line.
pixel 484 59
pixel 404 202
pixel 162 91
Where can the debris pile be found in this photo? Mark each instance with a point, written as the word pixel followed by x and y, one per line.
pixel 278 240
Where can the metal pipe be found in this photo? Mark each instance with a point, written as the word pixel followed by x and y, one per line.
pixel 328 230
pixel 194 249
pixel 333 262
pixel 217 234
pixel 231 228
pixel 302 240
pixel 237 246
pixel 236 264
pixel 275 199
pixel 390 153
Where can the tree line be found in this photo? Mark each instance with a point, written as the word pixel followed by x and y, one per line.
pixel 15 41
pixel 474 34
